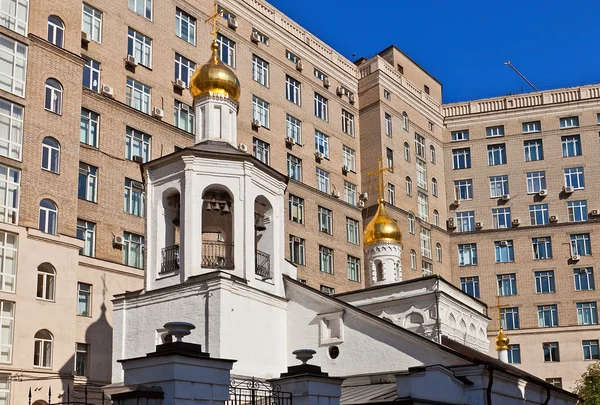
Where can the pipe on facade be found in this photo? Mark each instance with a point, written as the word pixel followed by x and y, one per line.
pixel 488 391
pixel 437 312
pixel 547 396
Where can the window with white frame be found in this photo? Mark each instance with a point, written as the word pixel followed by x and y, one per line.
pixel 501 218
pixel 463 189
pixel 50 155
pixel 8 262
pixel 514 354
pixel 350 193
pixel 406 151
pixel 183 116
pixel 551 354
pixel 10 180
pixel 498 186
pixel 574 177
pixel 89 127
pixel 7 319
pixel 13 15
pixel 408 183
pixel 434 187
pixel 56 31
pixel 226 50
pixel 42 349
pixel 297 250
pixel 436 218
pixel 577 210
pixel 538 214
pixel 405 122
pixel 322 180
pixel 391 193
pixel 322 144
pixel 353 268
pixel 185 26
pixel 321 107
pixel 426 268
pixel 91 74
pixel 325 259
pixel 388 124
pixel 465 221
pixel 260 111
pixel 569 122
pixel 87 183
pixel 536 181
pixel 420 145
pixel 457 136
pixel 137 95
pixel 140 47
pixel 82 352
pixel 320 75
pixel 13 65
pixel 91 23
pixel 571 145
pixel 509 318
pixel 327 290
pixel 581 244
pixel 470 286
pixel 413 260
pixel 294 165
pixel 426 243
pixel 542 247
pixel 504 251
pixel 142 7
pixel 389 157
pixel 386 94
pixel 53 96
pixel 293 128
pixel 496 154
pixel 349 158
pixel 46 276
pixel 296 209
pixel 421 174
pixel 584 279
pixel 352 231
pixel 507 284
pixel 544 282
pixel 137 144
pixel 292 89
pixel 134 198
pixel 261 150
pixel 260 71
pixel 411 223
pixel 86 231
pixel 533 150
pixel 133 250
pixel 261 37
pixel 325 218
pixel 347 122
pixel 590 349
pixel 432 154
pixel 291 56
pixel 533 126
pixel 461 158
pixel 497 130
pixel 11 129
pixel 438 252
pixel 184 69
pixel 587 313
pixel 467 254
pixel 423 206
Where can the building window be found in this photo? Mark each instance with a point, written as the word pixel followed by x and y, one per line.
pixel 86 231
pixel 185 27
pixel 406 151
pixel 420 146
pixel 292 88
pixel 226 50
pixel 81 359
pixel 297 253
pixel 91 23
pixel 577 211
pixel 184 117
pixel 321 107
pixel 504 251
pixel 551 352
pixel 350 193
pixel 320 75
pixel 457 136
pixel 432 154
pixel 89 127
pixel 8 263
pixel 461 158
pixel 389 159
pixel 413 260
pixel 50 155
pixel 260 111
pixel 293 128
pixel 13 65
pixel 325 218
pixel 542 248
pixel 496 154
pixel 387 95
pixel 584 279
pixel 470 285
pixel 514 354
pixel 498 186
pixel 91 75
pixel 426 89
pixel 48 217
pixel 84 299
pixel 509 318
pixel 260 72
pixel 467 254
pixel 426 269
pixel 140 47
pixel 88 179
pixel 571 146
pixel 327 290
pixel 501 218
pixel 184 69
pixel 352 231
pixel 135 198
pixel 42 349
pixel 569 122
pixel 7 319
pixel 326 259
pixel 536 181
pixel 426 243
pixel 11 129
pixel 533 126
pixel 261 37
pixel 547 316
pixel 400 69
pixel 507 284
pixel 13 15
pixel 143 8
pixel 574 178
pixel 53 98
pixel 133 250
pixel 391 192
pixel 538 214
pixel 405 122
pixel 465 221
pixel 9 198
pixel 296 209
pixel 347 123
pixel 438 252
pixel 494 131
pixel 581 244
pixel 137 95
pixel 261 150
pixel 436 218
pixel 294 167
pixel 354 269
pixel 423 206
pixel 349 158
pixel 322 144
pixel 533 150
pixel 56 31
pixel 46 276
pixel 137 144
pixel 291 56
pixel 388 124
pixel 463 190
pixel 557 382
pixel 421 174
pixel 587 313
pixel 590 350
pixel 322 180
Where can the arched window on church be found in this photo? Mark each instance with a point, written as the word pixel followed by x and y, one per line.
pixel 438 252
pixel 379 271
pixel 217 228
pixel 411 223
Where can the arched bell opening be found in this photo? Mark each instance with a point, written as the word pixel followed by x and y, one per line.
pixel 263 237
pixel 171 204
pixel 217 228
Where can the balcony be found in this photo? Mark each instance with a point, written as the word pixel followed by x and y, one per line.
pixel 263 265
pixel 217 254
pixel 170 259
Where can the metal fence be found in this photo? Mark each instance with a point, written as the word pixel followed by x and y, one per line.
pixel 256 392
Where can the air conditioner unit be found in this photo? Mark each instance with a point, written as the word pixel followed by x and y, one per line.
pixel 339 91
pixel 290 140
pixel 326 82
pixel 297 239
pixel 503 243
pixel 553 218
pixel 456 202
pixel 255 38
pixel 118 241
pixel 130 60
pixel 180 84
pixel 543 192
pixel 595 213
pixel 108 91
pixel 232 22
pixel 319 155
pixel 505 197
pixel 138 159
pixel 345 169
pixel 299 65
pixel 158 112
pixel 451 223
pixel 336 194
pixel 575 258
pixel 363 196
pixel 243 147
pixel 85 38
pixel 361 204
pixel 568 189
pixel 184 107
pixel 516 222
pixel 255 124
pixel 478 225
pixel 351 99
pixel 583 271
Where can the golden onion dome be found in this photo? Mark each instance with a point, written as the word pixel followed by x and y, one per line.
pixel 502 341
pixel 382 228
pixel 214 77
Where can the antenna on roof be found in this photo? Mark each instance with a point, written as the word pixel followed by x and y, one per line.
pixel 520 74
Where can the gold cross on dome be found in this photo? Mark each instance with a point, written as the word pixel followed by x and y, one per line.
pixel 216 14
pixel 498 306
pixel 379 172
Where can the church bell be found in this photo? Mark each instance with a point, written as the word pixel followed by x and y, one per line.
pixel 259 223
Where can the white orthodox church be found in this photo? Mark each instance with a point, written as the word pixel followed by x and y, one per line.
pixel 216 261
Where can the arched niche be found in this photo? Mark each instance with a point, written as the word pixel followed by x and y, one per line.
pixel 264 238
pixel 217 227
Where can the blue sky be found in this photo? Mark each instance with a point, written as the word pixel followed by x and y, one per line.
pixel 465 43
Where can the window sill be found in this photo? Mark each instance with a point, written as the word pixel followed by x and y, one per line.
pixel 44 300
pixel 167 274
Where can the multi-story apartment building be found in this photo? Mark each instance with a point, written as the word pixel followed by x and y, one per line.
pixel 88 92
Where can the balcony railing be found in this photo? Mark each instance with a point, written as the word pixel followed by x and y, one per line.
pixel 217 254
pixel 263 264
pixel 170 259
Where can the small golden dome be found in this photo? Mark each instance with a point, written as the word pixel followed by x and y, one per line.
pixel 215 77
pixel 502 341
pixel 382 228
